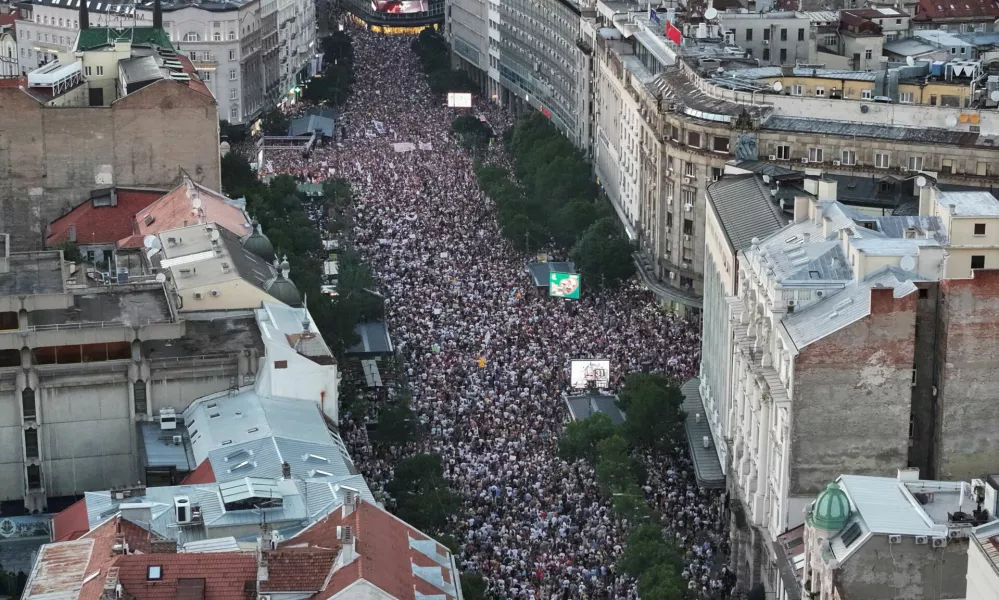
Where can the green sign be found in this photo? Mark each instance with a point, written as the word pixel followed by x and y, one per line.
pixel 564 285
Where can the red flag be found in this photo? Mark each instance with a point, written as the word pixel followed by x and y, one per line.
pixel 673 34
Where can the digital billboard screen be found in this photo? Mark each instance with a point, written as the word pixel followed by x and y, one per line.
pixel 563 285
pixel 400 6
pixel 459 100
pixel 589 373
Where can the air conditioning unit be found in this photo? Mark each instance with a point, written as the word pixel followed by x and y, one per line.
pixel 894 539
pixel 215 293
pixel 772 157
pixel 669 200
pixel 922 540
pixel 178 440
pixel 939 542
pixel 688 179
pixel 685 265
pixel 182 506
pixel 686 237
pixel 836 163
pixel 688 207
pixel 672 275
pixel 903 169
pixel 954 533
pixel 804 160
pixel 197 295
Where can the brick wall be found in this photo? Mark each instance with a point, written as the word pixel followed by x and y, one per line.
pixel 50 158
pixel 852 394
pixel 968 395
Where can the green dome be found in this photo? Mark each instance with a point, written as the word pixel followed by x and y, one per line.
pixel 283 290
pixel 258 243
pixel 831 509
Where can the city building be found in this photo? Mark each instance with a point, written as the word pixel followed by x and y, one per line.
pixel 773 38
pixel 248 55
pixel 8 47
pixel 845 306
pixel 983 561
pixel 397 16
pixel 962 17
pixel 892 537
pixel 141 117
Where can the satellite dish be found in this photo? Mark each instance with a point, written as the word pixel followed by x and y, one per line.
pixel 152 242
pixel 951 121
pixel 921 181
pixel 909 61
pixel 994 96
pixel 778 86
pixel 908 263
pixel 864 108
pixel 710 13
pixel 160 277
pixel 196 203
pixel 215 235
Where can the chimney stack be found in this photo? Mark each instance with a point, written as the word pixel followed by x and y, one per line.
pixel 157 15
pixel 286 470
pixel 84 15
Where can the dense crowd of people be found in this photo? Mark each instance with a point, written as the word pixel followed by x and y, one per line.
pixel 487 355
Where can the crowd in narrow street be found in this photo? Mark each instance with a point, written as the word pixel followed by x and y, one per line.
pixel 457 294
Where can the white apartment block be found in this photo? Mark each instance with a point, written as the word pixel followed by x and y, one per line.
pixel 250 54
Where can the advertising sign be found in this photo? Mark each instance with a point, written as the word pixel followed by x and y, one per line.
pixel 564 285
pixel 589 373
pixel 459 100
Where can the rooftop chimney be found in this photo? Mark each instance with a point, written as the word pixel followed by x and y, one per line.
pixel 286 470
pixel 84 15
pixel 157 15
pixel 163 546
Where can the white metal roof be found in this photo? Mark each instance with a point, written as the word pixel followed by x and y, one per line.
pixel 969 204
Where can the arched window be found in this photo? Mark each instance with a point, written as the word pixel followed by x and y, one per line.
pixel 139 389
pixel 217 36
pixel 60 21
pixel 232 35
pixel 192 37
pixel 28 403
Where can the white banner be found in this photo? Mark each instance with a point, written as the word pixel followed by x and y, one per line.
pixel 404 147
pixel 426 146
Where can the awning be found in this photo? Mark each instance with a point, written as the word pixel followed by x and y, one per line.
pixel 707 468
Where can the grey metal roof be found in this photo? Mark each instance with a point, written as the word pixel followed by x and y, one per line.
pixel 676 86
pixel 909 47
pixel 140 69
pixel 59 571
pixel 582 407
pixel 280 321
pixel 768 72
pixel 707 467
pixel 744 209
pixel 887 506
pixel 375 339
pixel 767 168
pixel 969 204
pixel 856 129
pixel 540 271
pixel 222 544
pixel 248 265
pixel 160 449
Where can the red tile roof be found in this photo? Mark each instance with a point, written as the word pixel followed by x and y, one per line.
pixel 225 575
pixel 8 20
pixel 103 224
pixel 929 10
pixel 203 474
pixel 176 209
pixel 71 523
pixel 102 558
pixel 385 558
pixel 195 84
pixel 304 570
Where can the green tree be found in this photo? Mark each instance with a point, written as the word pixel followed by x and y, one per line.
pixel 581 438
pixel 70 251
pixel 422 495
pixel 603 255
pixel 661 583
pixel 654 417
pixel 647 548
pixel 472 132
pixel 637 381
pixel 234 134
pixel 615 469
pixel 396 424
pixel 239 180
pixel 275 122
pixel 473 586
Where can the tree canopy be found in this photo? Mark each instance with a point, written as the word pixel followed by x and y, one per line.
pixel 422 496
pixel 275 122
pixel 655 562
pixel 581 438
pixel 471 131
pixel 435 57
pixel 654 412
pixel 603 255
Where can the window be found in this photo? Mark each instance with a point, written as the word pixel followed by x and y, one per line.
pixel 688 227
pixel 915 163
pixel 205 75
pixel 933 100
pixel 232 94
pixel 232 74
pixel 783 152
pixel 76 24
pixel 979 228
pixel 206 56
pixel 693 139
pixel 766 54
pixel 217 36
pixel 882 160
pixel 749 35
pixel 820 92
pixel 689 170
pixel 766 33
pixel 34 477
pixel 797 90
pixel 924 293
pixel 982 168
pixel 233 113
pixel 232 55
pixel 978 261
pixel 232 35
pixel 60 22
pixel 865 94
pixel 31 443
pixel 100 70
pixel 815 155
pixel 280 364
pixel 868 54
pixel 905 97
pixel 801 35
pixel 947 165
pixel 721 144
pixel 783 55
pixel 192 37
pixel 687 195
pixel 848 157
pixel 783 35
pixel 154 573
pixel 193 55
pixel 139 395
pixel 86 71
pixel 28 403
